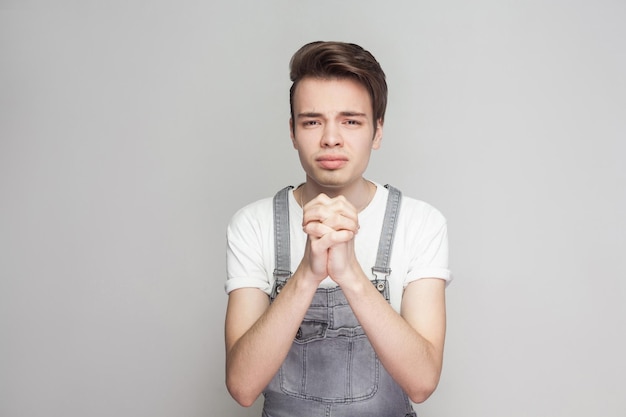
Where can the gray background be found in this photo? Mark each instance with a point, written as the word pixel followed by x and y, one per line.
pixel 131 132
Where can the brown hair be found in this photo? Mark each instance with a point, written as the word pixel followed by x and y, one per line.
pixel 340 60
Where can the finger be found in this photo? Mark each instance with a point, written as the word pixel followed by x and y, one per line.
pixel 343 205
pixel 316 229
pixel 341 209
pixel 341 222
pixel 333 222
pixel 316 212
pixel 332 239
pixel 337 213
pixel 320 200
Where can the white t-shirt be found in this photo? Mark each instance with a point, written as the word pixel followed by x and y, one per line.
pixel 420 248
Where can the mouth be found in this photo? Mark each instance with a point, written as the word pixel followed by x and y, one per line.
pixel 332 161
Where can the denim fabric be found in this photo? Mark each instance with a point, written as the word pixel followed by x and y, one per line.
pixel 332 369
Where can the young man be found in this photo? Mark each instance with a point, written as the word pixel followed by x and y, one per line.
pixel 336 288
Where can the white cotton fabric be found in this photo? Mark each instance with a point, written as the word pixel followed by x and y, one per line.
pixel 420 248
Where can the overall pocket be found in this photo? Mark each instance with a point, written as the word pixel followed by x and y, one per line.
pixel 331 365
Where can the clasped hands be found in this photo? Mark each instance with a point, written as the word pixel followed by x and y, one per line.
pixel 330 225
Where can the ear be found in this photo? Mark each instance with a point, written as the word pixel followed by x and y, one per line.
pixel 378 134
pixel 291 134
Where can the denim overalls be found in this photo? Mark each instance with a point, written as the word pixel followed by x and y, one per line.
pixel 331 369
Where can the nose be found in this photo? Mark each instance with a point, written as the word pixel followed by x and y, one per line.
pixel 331 136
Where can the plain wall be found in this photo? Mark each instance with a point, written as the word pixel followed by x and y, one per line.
pixel 130 132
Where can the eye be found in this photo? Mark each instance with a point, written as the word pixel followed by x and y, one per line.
pixel 309 123
pixel 352 122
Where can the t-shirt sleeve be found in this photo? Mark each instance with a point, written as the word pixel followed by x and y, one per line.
pixel 244 252
pixel 430 255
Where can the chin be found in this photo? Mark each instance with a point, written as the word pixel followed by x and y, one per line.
pixel 330 181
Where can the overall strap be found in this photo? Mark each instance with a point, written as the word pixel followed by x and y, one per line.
pixel 282 245
pixel 386 241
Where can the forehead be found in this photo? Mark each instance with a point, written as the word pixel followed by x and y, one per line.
pixel 331 95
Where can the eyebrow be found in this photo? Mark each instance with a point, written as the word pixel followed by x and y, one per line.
pixel 343 113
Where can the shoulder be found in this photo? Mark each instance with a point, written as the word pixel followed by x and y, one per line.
pixel 413 210
pixel 419 211
pixel 252 215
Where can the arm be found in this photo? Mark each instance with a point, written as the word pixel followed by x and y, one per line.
pixel 410 345
pixel 259 335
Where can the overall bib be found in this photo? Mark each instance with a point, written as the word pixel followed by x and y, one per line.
pixel 331 369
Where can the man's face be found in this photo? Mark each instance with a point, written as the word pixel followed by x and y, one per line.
pixel 333 130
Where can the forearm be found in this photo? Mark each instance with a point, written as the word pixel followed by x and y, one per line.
pixel 254 355
pixel 411 359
